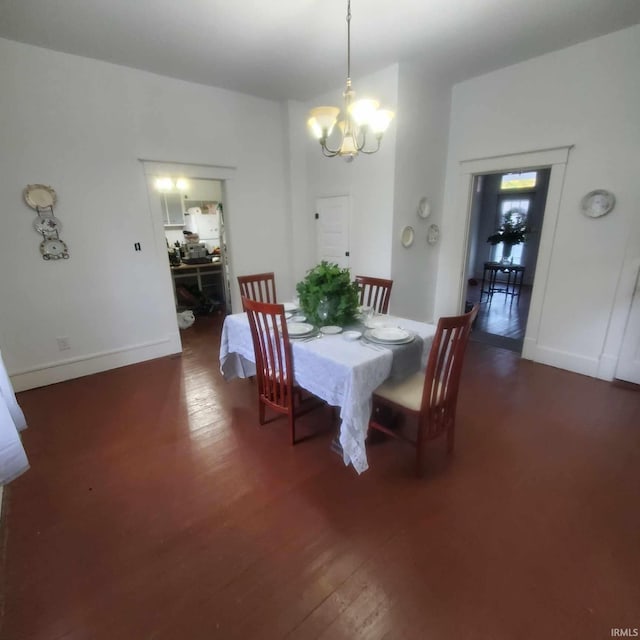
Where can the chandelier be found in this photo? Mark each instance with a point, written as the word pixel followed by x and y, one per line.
pixel 361 124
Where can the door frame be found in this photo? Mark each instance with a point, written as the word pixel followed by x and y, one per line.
pixel 556 160
pixel 191 171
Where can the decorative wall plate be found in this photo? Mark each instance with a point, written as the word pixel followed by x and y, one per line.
pixel 424 208
pixel 407 237
pixel 47 225
pixel 39 196
pixel 433 235
pixel 53 249
pixel 598 203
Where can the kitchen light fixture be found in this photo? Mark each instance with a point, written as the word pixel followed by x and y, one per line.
pixel 360 119
pixel 165 185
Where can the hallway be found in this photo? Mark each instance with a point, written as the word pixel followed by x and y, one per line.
pixel 501 320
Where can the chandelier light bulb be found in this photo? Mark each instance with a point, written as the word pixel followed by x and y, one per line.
pixel 322 120
pixel 363 111
pixel 163 184
pixel 380 121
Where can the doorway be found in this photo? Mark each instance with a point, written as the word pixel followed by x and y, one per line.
pixel 188 207
pixel 505 220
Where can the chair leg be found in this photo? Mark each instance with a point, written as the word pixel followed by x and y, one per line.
pixel 261 411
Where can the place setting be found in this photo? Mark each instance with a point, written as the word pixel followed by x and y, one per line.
pixel 389 335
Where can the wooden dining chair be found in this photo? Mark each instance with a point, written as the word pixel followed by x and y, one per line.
pixel 274 364
pixel 429 399
pixel 375 293
pixel 259 286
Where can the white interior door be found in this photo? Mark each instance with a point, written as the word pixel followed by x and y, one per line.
pixel 332 230
pixel 629 361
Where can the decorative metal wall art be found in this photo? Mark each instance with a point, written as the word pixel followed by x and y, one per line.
pixel 42 198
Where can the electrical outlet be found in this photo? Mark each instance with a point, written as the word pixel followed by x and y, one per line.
pixel 63 343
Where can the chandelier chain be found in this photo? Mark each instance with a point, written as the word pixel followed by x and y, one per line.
pixel 349 42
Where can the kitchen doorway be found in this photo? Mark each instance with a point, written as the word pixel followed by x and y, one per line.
pixel 188 205
pixel 505 221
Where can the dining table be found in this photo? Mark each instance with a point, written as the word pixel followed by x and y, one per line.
pixel 341 371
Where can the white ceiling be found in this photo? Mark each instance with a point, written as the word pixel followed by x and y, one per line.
pixel 296 49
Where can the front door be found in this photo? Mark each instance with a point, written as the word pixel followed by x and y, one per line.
pixel 332 230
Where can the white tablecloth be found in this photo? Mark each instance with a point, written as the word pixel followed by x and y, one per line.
pixel 13 460
pixel 341 372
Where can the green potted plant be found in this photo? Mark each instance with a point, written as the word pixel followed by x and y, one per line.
pixel 512 231
pixel 328 296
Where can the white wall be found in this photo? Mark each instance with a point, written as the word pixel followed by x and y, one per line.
pixel 81 126
pixel 421 151
pixel 369 180
pixel 587 95
pixel 302 221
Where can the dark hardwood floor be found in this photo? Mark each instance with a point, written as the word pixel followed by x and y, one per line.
pixel 502 319
pixel 157 507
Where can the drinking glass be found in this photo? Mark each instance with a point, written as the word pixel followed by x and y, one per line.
pixel 367 315
pixel 323 311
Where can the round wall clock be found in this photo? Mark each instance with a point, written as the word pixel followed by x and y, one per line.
pixel 598 203
pixel 53 249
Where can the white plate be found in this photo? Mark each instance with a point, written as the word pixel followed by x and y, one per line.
pixel 352 335
pixel 288 315
pixel 39 196
pixel 368 334
pixel 300 328
pixel 47 225
pixel 377 322
pixel 290 306
pixel 330 329
pixel 298 318
pixel 389 334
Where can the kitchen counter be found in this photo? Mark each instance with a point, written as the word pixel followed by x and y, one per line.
pixel 208 276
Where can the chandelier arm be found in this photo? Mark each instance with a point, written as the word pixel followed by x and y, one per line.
pixel 370 151
pixel 327 152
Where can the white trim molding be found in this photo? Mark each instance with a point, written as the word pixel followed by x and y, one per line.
pixel 53 372
pixel 556 159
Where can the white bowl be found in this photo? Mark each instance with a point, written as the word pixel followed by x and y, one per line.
pixel 352 335
pixel 330 329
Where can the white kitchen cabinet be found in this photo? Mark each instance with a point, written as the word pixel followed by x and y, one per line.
pixel 172 209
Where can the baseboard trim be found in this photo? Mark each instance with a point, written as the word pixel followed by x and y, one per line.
pixel 561 359
pixel 50 373
pixel 607 367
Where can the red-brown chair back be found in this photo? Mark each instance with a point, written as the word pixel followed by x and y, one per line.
pixel 375 292
pixel 259 286
pixel 274 369
pixel 442 376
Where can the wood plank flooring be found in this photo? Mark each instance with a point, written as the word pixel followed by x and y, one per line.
pixel 157 507
pixel 501 321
